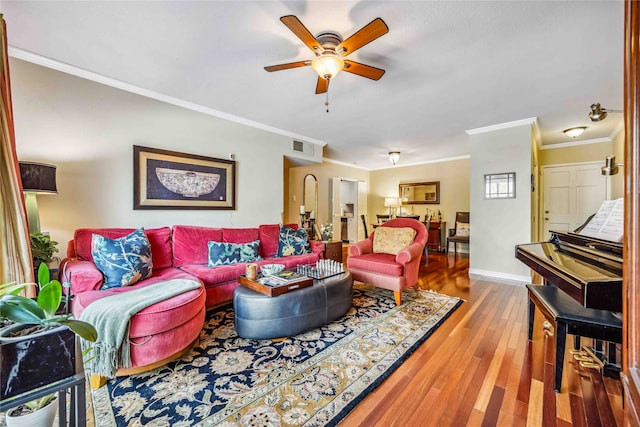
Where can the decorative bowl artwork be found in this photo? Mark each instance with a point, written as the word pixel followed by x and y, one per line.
pixel 188 183
pixel 271 269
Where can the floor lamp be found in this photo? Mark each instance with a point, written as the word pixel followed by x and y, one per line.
pixel 37 178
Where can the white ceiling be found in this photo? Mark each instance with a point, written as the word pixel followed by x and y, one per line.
pixel 450 66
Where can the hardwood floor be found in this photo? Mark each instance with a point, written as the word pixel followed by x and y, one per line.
pixel 479 368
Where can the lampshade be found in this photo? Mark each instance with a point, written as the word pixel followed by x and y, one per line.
pixel 575 131
pixel 38 177
pixel 392 202
pixel 327 65
pixel 394 156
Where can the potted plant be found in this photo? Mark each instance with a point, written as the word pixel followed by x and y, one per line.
pixel 39 347
pixel 42 248
pixel 326 230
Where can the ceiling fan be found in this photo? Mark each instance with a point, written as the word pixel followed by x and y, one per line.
pixel 330 50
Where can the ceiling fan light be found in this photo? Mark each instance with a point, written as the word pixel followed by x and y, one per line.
pixel 575 132
pixel 394 156
pixel 327 65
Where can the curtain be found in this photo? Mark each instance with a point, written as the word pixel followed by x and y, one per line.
pixel 15 258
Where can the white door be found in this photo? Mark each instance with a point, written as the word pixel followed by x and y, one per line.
pixel 571 194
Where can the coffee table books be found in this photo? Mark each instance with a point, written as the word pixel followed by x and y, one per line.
pixel 277 284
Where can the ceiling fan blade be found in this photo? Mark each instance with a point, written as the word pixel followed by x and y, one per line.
pixel 287 66
pixel 301 31
pixel 322 86
pixel 364 35
pixel 367 71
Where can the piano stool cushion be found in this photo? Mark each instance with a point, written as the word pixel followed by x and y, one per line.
pixel 571 317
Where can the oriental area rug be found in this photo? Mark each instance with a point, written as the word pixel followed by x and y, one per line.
pixel 312 379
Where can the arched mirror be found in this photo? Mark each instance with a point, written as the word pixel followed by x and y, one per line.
pixel 310 193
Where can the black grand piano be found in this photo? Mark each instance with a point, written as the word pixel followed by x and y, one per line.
pixel 589 270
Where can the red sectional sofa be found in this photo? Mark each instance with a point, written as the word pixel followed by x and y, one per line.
pixel 166 329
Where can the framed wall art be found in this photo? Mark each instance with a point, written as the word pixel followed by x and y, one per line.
pixel 417 193
pixel 165 179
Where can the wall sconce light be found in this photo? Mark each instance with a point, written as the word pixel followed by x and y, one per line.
pixel 394 156
pixel 575 132
pixel 37 178
pixel 610 166
pixel 598 113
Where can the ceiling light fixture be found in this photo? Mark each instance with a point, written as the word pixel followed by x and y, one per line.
pixel 575 132
pixel 394 156
pixel 327 65
pixel 598 113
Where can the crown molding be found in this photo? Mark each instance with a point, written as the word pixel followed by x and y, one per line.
pixel 576 143
pixel 530 121
pixel 33 58
pixel 338 162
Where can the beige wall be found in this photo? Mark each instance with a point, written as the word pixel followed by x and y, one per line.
pixel 454 188
pixel 87 130
pixel 324 173
pixel 575 154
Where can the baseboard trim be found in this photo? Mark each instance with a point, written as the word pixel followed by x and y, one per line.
pixel 513 279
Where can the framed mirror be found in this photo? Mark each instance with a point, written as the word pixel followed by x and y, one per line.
pixel 310 193
pixel 420 193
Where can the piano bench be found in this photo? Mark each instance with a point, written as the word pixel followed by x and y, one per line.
pixel 569 317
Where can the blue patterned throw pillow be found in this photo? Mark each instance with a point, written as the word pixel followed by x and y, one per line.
pixel 122 261
pixel 223 253
pixel 293 242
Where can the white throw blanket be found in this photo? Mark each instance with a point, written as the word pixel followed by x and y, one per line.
pixel 110 316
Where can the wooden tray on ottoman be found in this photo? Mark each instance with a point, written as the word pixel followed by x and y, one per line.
pixel 275 290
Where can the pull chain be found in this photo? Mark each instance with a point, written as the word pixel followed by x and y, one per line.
pixel 326 102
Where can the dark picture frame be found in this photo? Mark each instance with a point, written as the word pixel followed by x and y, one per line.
pixel 164 179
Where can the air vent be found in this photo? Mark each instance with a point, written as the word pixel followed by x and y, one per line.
pixel 303 147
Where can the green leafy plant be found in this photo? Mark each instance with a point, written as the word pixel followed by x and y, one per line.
pixel 42 248
pixel 42 309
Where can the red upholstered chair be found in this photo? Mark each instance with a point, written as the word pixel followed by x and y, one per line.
pixel 384 270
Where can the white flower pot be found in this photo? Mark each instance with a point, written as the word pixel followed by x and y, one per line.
pixel 42 417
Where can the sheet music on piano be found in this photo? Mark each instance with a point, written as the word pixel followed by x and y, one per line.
pixel 608 222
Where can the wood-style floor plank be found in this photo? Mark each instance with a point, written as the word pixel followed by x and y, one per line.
pixel 479 368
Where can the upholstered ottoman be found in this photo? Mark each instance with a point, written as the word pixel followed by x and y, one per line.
pixel 258 316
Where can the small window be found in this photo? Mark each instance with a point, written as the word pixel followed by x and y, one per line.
pixel 500 185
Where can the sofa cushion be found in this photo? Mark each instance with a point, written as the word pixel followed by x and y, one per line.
pixel 190 244
pixel 222 253
pixel 377 263
pixel 240 235
pixel 293 242
pixel 159 238
pixel 391 240
pixel 269 237
pixel 123 261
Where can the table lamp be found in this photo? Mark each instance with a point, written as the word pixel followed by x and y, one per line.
pixel 37 178
pixel 392 202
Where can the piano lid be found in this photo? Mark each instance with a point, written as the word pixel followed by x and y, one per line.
pixel 556 258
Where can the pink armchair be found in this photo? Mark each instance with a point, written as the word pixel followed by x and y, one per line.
pixel 385 270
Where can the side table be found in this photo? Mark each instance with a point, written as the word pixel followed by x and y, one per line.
pixel 333 250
